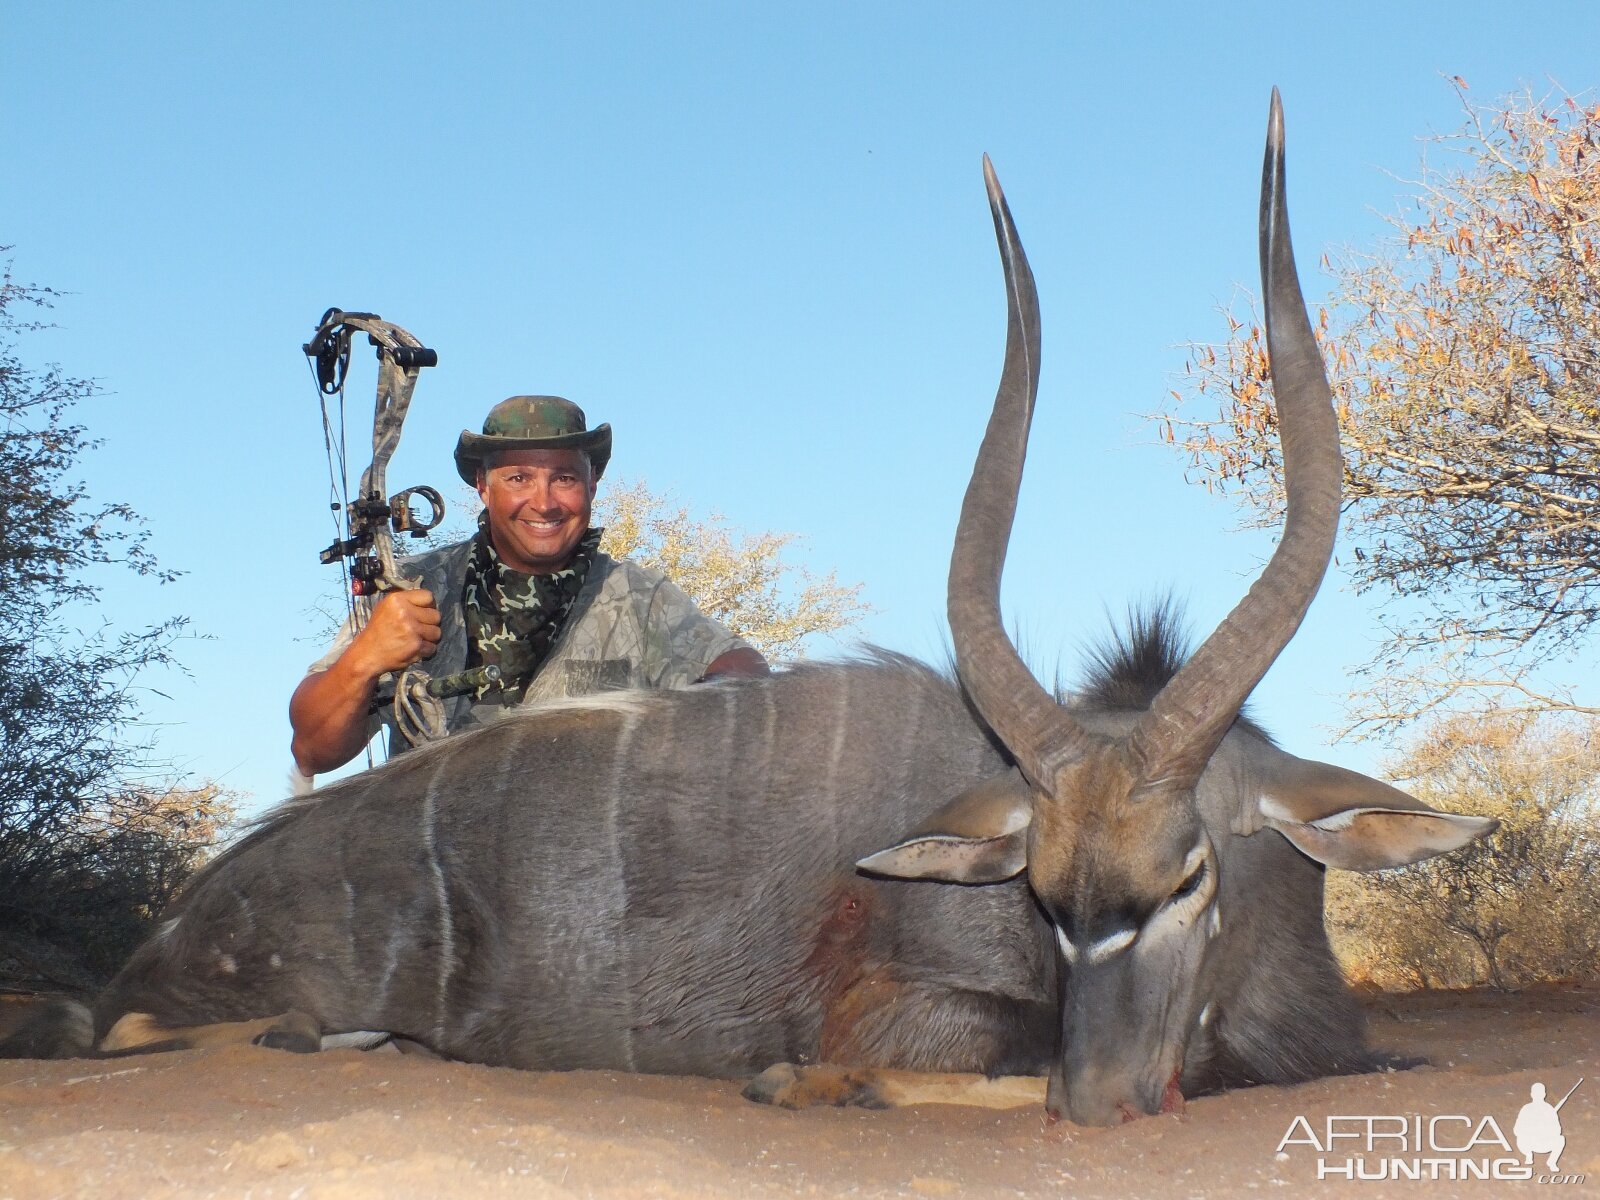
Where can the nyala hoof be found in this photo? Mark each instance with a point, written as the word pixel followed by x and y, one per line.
pixel 1386 1060
pixel 295 1032
pixel 788 1086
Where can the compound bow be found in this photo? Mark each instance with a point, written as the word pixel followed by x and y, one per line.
pixel 372 519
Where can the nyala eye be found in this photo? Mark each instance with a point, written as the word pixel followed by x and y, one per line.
pixel 1191 884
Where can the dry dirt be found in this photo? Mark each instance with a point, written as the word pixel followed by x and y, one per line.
pixel 246 1122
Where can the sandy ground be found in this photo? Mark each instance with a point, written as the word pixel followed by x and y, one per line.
pixel 246 1122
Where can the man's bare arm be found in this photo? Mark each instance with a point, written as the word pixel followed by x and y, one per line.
pixel 329 710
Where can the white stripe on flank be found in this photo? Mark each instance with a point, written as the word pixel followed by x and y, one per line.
pixel 909 761
pixel 841 725
pixel 447 932
pixel 506 775
pixel 243 904
pixel 613 837
pixel 769 738
pixel 730 719
pixel 391 960
pixel 349 922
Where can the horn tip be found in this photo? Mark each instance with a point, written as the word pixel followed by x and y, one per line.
pixel 991 183
pixel 1275 120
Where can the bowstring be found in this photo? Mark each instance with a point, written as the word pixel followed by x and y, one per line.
pixel 334 450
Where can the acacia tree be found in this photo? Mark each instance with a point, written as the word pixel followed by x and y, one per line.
pixel 1464 354
pixel 1518 906
pixel 741 580
pixel 66 698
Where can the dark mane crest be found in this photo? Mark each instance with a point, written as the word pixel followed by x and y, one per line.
pixel 1130 665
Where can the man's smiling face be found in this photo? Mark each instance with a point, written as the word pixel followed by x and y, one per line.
pixel 538 503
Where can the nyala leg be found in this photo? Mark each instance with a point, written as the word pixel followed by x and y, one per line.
pixel 59 1028
pixel 139 1033
pixel 887 1043
pixel 788 1086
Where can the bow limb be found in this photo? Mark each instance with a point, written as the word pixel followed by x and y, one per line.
pixel 401 357
pixel 395 385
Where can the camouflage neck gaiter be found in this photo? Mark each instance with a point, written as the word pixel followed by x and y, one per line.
pixel 513 619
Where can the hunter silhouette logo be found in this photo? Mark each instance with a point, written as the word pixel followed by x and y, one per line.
pixel 1538 1127
pixel 1448 1146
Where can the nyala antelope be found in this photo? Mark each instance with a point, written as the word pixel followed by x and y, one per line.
pixel 849 872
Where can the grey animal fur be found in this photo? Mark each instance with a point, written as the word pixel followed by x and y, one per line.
pixel 664 882
pixel 661 882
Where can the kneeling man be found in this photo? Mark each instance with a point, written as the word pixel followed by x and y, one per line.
pixel 526 609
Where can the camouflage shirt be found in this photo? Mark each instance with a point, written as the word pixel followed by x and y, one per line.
pixel 630 627
pixel 513 618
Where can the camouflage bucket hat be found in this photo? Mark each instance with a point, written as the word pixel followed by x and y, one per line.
pixel 532 423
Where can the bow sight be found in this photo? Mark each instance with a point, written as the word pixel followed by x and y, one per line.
pixel 371 519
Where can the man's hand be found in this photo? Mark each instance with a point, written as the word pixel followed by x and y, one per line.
pixel 329 709
pixel 404 629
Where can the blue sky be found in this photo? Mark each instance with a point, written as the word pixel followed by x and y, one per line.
pixel 753 238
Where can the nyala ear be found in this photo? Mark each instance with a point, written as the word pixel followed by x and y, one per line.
pixel 979 837
pixel 1347 820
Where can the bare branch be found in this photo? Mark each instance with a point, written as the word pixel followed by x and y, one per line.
pixel 1464 353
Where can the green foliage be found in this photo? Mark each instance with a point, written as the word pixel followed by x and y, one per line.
pixel 66 704
pixel 740 579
